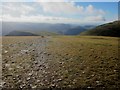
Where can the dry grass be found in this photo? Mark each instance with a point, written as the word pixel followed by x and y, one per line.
pixel 73 61
pixel 88 61
pixel 16 39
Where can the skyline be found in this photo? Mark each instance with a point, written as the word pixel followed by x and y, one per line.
pixel 60 12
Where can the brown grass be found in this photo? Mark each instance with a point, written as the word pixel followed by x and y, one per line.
pixel 88 61
pixel 74 61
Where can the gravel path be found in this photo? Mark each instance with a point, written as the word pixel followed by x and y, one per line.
pixel 32 70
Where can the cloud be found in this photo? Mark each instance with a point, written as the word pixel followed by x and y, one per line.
pixel 91 10
pixel 55 8
pixel 51 12
pixel 17 9
pixel 60 8
pixel 69 8
pixel 51 19
pixel 95 18
pixel 37 18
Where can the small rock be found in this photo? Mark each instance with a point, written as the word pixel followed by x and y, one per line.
pixel 6 52
pixel 2 83
pixel 92 49
pixel 10 69
pixel 19 81
pixel 38 81
pixel 98 82
pixel 60 79
pixel 21 86
pixel 17 76
pixel 53 85
pixel 61 62
pixel 35 62
pixel 33 87
pixel 14 78
pixel 17 67
pixel 88 87
pixel 69 85
pixel 24 51
pixel 83 72
pixel 44 53
pixel 30 74
pixel 92 75
pixel 7 65
pixel 28 78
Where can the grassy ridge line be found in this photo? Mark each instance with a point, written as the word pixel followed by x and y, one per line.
pixel 30 33
pixel 109 29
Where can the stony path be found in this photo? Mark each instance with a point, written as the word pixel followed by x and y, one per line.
pixel 30 73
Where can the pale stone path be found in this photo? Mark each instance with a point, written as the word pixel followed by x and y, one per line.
pixel 35 70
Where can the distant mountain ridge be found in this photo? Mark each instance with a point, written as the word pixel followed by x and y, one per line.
pixel 43 28
pixel 24 33
pixel 109 29
pixel 8 27
pixel 20 33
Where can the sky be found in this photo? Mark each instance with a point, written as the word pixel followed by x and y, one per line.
pixel 59 11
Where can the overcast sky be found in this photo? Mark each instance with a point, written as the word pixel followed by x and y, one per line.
pixel 59 12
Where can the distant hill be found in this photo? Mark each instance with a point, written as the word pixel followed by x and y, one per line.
pixel 75 31
pixel 8 27
pixel 109 29
pixel 45 33
pixel 24 33
pixel 20 33
pixel 44 28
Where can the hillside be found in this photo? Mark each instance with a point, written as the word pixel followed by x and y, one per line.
pixel 45 33
pixel 24 33
pixel 109 29
pixel 34 27
pixel 66 29
pixel 20 33
pixel 75 31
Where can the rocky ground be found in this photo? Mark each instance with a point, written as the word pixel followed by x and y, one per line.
pixel 25 64
pixel 59 62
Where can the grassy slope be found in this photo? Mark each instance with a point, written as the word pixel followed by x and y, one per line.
pixel 109 29
pixel 30 33
pixel 85 61
pixel 21 33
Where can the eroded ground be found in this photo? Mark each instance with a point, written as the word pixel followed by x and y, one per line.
pixel 58 62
